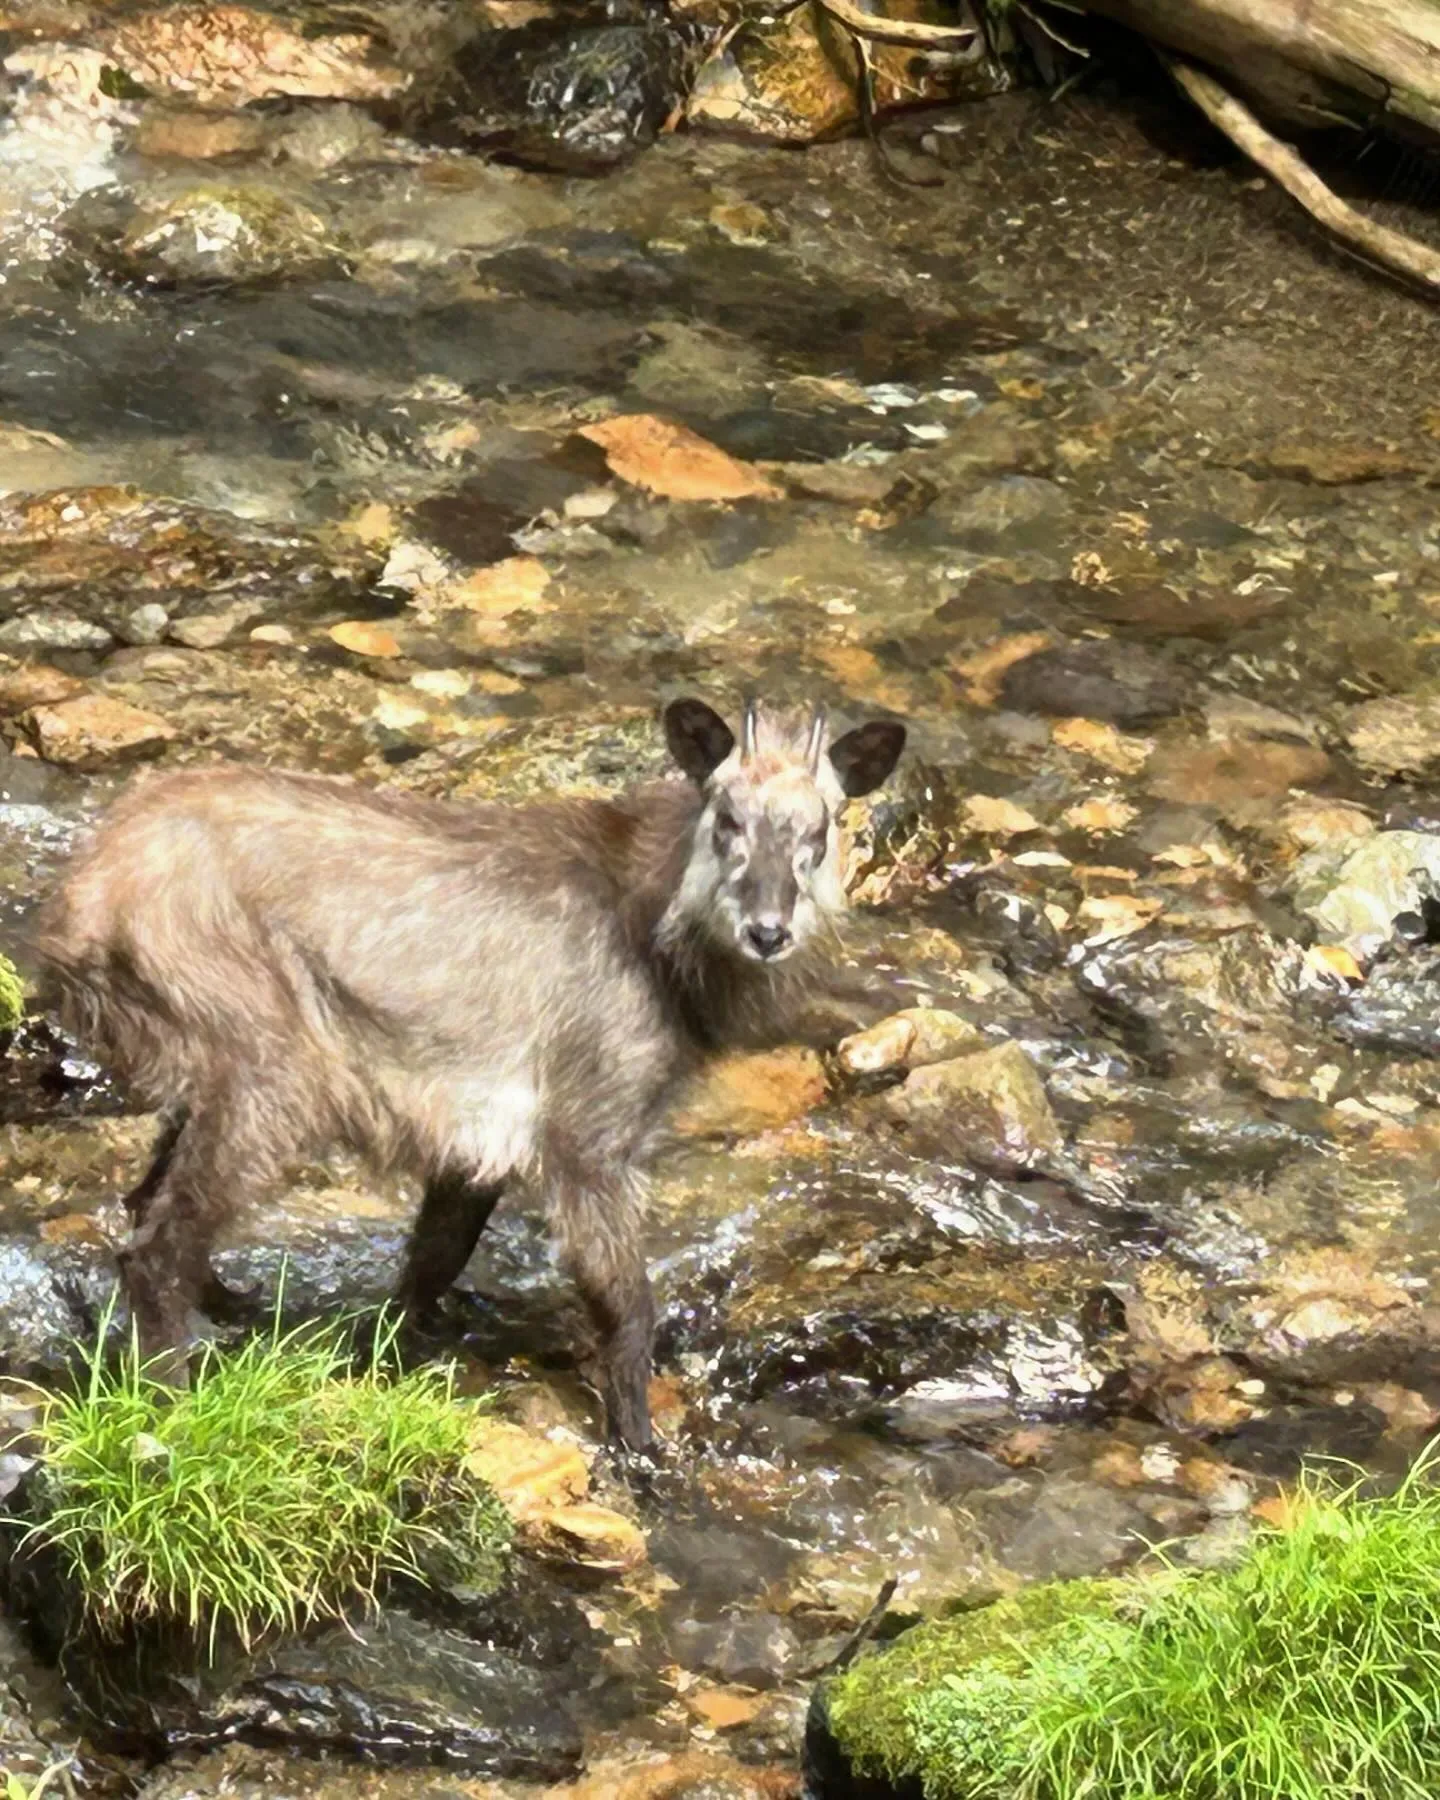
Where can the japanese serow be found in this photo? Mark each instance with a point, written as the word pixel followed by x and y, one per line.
pixel 471 992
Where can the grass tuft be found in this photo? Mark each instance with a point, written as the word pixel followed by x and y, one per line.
pixel 284 1486
pixel 1309 1669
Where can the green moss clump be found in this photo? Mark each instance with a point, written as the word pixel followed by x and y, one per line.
pixel 984 1654
pixel 281 1487
pixel 12 995
pixel 1307 1670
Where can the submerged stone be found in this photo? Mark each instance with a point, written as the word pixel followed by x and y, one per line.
pixel 1120 684
pixel 205 233
pixel 992 1104
pixel 750 1092
pixel 1395 736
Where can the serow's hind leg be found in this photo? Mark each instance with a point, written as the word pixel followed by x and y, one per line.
pixel 453 1213
pixel 595 1212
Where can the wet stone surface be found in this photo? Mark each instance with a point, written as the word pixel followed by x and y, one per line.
pixel 327 442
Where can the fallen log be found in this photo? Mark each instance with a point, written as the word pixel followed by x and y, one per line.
pixel 1310 62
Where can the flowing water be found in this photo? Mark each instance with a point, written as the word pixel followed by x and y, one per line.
pixel 1090 462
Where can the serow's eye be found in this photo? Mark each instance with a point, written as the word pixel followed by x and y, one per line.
pixel 727 826
pixel 816 843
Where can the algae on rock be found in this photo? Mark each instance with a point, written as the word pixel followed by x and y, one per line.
pixel 12 995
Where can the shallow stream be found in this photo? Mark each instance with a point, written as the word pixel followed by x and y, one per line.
pixel 1091 463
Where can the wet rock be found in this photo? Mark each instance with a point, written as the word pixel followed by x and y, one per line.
pixel 556 95
pixel 1103 744
pixel 1010 922
pixel 76 562
pixel 589 1536
pixel 1356 895
pixel 794 77
pixel 1117 683
pixel 326 137
pixel 531 1475
pixel 1332 463
pixel 477 207
pixel 747 1093
pixel 28 1698
pixel 991 1105
pixel 204 233
pixel 1307 824
pixel 52 628
pixel 1076 1528
pixel 787 80
pixel 1398 1008
pixel 1000 510
pixel 229 55
pixel 1286 1439
pixel 207 630
pixel 1206 1395
pixel 1234 716
pixel 544 1483
pixel 49 1293
pixel 908 1040
pixel 755 1650
pixel 94 730
pixel 1395 736
pixel 193 135
pixel 1181 998
pixel 144 625
pixel 991 815
pixel 34 684
pixel 1316 1318
pixel 393 1691
pixel 694 1776
pixel 364 637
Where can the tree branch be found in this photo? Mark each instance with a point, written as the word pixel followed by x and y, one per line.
pixel 1377 243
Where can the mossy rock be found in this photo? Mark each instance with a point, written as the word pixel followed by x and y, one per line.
pixel 203 233
pixel 863 1737
pixel 291 1482
pixel 1308 1666
pixel 12 995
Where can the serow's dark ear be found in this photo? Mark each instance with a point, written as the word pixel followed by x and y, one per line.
pixel 698 737
pixel 863 758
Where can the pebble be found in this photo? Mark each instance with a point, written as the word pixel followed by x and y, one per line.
pixel 93 730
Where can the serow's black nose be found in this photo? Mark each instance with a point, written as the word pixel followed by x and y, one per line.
pixel 769 940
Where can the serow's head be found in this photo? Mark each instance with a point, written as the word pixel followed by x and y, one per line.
pixel 764 874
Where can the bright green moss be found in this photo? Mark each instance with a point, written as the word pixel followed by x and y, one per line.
pixel 1308 1670
pixel 12 995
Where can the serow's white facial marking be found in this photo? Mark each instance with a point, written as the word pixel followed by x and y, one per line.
pixel 764 872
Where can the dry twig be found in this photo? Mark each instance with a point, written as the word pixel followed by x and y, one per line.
pixel 900 31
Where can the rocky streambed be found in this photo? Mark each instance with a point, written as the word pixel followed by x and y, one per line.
pixel 326 441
